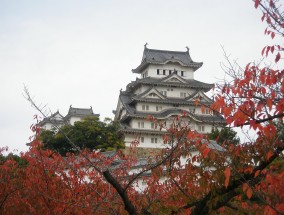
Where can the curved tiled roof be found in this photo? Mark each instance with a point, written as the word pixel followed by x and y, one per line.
pixel 154 56
pixel 141 131
pixel 168 100
pixel 80 112
pixel 128 98
pixel 212 119
pixel 55 118
pixel 189 83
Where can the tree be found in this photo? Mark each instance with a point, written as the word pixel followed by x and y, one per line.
pixel 225 135
pixel 90 134
pixel 240 179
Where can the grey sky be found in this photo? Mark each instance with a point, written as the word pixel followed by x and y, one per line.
pixel 82 52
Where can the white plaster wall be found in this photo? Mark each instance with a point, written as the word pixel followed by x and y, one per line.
pixel 147 124
pixel 207 128
pixel 152 70
pixel 74 119
pixel 141 184
pixel 152 106
pixel 50 126
pixel 123 113
pixel 118 107
pixel 185 160
pixel 57 117
pixel 129 138
pixel 174 92
pixel 47 126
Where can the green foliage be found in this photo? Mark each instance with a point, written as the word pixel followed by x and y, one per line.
pixel 90 134
pixel 224 135
pixel 19 160
pixel 279 124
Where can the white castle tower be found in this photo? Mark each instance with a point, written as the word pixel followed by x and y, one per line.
pixel 166 88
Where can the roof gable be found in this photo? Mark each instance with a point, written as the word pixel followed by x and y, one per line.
pixel 56 116
pixel 53 118
pixel 174 78
pixel 152 93
pixel 200 95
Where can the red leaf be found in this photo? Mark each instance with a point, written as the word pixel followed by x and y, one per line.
pixel 269 211
pixel 263 50
pixel 280 207
pixel 245 187
pixel 249 193
pixel 267 50
pixel 263 16
pixel 196 102
pixel 248 65
pixel 256 173
pixel 256 3
pixel 227 173
pixel 269 104
pixel 203 109
pixel 272 35
pixel 269 155
pixel 205 152
pixel 277 58
pixel 165 139
pixel 272 49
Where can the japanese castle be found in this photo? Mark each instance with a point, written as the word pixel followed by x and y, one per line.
pixel 74 115
pixel 166 88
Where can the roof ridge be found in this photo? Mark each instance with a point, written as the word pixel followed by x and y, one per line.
pixel 169 51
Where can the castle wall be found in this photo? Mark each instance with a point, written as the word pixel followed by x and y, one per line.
pixel 166 69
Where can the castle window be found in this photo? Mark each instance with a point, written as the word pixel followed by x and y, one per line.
pixel 140 124
pixel 181 73
pixel 201 128
pixel 192 110
pixel 154 140
pixel 141 139
pixel 207 111
pixel 158 72
pixel 164 72
pixel 145 107
pixel 152 125
pixel 145 74
pixel 163 92
pixel 170 72
pixel 158 108
pixel 182 94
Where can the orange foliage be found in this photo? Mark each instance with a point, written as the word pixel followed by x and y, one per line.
pixel 190 176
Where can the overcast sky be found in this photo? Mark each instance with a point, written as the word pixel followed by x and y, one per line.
pixel 82 52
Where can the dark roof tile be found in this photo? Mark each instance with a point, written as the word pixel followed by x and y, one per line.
pixel 154 56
